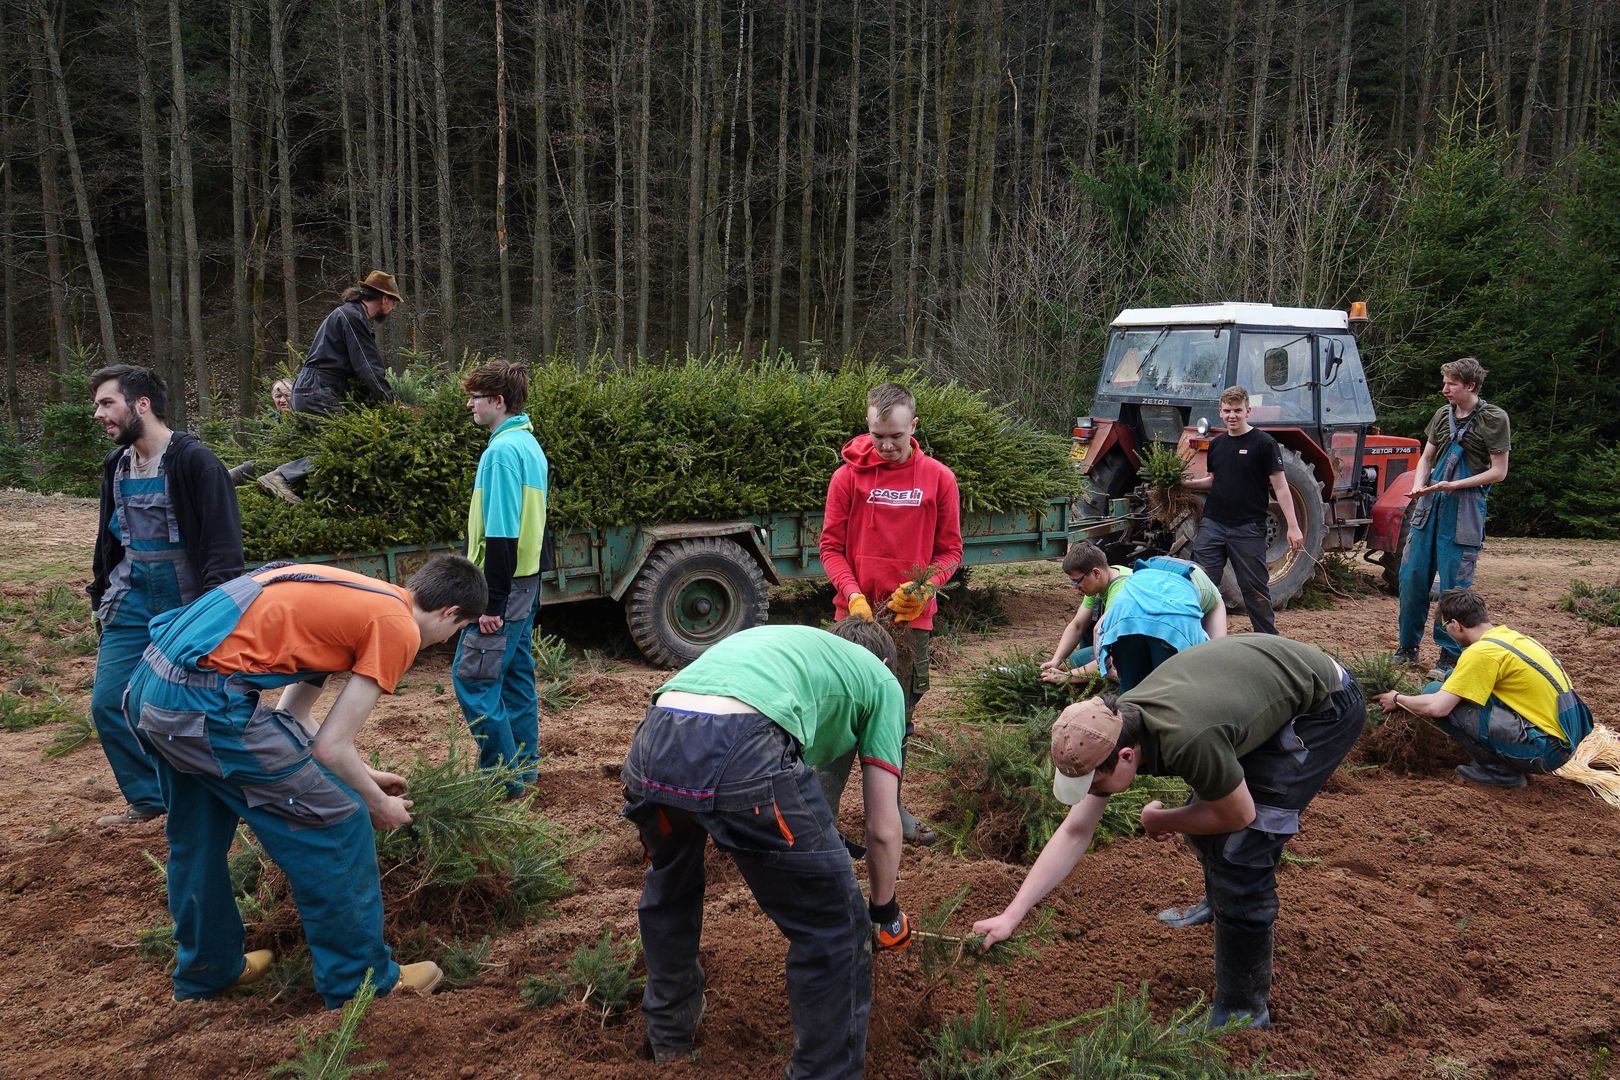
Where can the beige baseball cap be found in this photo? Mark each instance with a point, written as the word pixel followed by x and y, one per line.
pixel 1082 738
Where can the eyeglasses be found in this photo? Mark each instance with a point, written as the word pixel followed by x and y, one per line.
pixel 1074 583
pixel 480 397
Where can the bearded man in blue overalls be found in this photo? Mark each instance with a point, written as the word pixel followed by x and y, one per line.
pixel 169 532
pixel 1465 451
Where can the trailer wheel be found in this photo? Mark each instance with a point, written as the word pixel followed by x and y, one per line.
pixel 1288 570
pixel 689 595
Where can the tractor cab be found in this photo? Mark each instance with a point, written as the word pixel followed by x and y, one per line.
pixel 1161 383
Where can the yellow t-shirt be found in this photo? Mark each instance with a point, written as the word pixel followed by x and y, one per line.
pixel 1486 669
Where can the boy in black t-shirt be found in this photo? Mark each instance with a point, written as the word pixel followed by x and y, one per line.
pixel 1243 468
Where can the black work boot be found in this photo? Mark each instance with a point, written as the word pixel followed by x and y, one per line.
pixel 1242 976
pixel 1194 914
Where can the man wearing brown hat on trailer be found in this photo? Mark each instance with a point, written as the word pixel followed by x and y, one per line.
pixel 1255 724
pixel 344 356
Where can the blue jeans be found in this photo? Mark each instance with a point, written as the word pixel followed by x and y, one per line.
pixel 1283 776
pixel 220 757
pixel 740 779
pixel 494 683
pixel 120 651
pixel 1494 734
pixel 1432 551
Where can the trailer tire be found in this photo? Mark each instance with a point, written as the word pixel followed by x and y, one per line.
pixel 1288 569
pixel 690 594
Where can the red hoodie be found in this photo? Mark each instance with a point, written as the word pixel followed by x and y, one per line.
pixel 882 520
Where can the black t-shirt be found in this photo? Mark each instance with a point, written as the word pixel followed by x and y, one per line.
pixel 1242 466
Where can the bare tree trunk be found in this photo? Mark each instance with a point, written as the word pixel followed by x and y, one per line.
pixel 773 332
pixel 1297 76
pixel 1528 113
pixel 374 177
pixel 580 210
pixel 918 179
pixel 1567 44
pixel 615 82
pixel 501 246
pixel 643 163
pixel 278 114
pixel 970 168
pixel 441 169
pixel 241 323
pixel 1043 97
pixel 938 264
pixel 350 169
pixel 415 114
pixel 1094 87
pixel 50 207
pixel 1341 96
pixel 188 220
pixel 809 94
pixel 177 283
pixel 713 283
pixel 157 271
pixel 1257 95
pixel 899 165
pixel 989 130
pixel 749 289
pixel 1228 94
pixel 540 285
pixel 853 148
pixel 694 189
pixel 81 197
pixel 8 232
pixel 1427 75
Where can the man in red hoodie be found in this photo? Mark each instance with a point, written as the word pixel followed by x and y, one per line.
pixel 890 509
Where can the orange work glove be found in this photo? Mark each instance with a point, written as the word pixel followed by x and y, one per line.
pixel 890 924
pixel 909 600
pixel 859 607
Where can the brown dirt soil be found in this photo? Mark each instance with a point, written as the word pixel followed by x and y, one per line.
pixel 1430 927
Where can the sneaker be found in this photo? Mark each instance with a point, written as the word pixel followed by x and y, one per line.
pixel 424 976
pixel 1399 656
pixel 240 473
pixel 254 966
pixel 276 485
pixel 1499 776
pixel 131 816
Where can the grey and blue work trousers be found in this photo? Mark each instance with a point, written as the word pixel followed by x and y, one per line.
pixel 1283 776
pixel 741 780
pixel 1244 546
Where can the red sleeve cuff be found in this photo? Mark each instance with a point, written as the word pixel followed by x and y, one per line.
pixel 884 765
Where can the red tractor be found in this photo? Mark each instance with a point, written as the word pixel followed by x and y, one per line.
pixel 1161 383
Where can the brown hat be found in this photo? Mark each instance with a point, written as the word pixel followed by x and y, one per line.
pixel 1083 738
pixel 383 283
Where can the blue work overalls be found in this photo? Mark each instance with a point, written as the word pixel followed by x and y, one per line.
pixel 1448 529
pixel 494 684
pixel 154 576
pixel 222 755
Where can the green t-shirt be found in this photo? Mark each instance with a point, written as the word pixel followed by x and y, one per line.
pixel 1205 708
pixel 830 694
pixel 1488 434
pixel 1106 597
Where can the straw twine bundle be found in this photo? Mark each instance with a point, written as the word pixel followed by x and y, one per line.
pixel 1596 763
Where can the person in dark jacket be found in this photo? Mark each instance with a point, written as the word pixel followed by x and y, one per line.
pixel 343 357
pixel 169 532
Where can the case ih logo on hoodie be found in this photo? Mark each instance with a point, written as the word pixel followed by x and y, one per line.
pixel 896 496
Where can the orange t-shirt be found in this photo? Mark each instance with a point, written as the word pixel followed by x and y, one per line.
pixel 304 626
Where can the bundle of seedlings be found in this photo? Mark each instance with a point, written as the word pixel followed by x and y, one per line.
pixel 701 438
pixel 943 954
pixel 1336 578
pixel 995 785
pixel 1596 605
pixel 1400 742
pixel 905 649
pixel 600 978
pixel 1008 688
pixel 470 858
pixel 1163 468
pixel 1121 1041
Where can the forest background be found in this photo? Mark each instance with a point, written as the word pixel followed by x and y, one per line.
pixel 977 186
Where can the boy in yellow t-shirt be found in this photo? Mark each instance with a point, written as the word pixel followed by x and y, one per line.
pixel 1496 703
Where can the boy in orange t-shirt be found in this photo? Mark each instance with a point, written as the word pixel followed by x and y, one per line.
pixel 222 755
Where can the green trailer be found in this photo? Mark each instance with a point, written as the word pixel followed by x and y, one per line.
pixel 686 585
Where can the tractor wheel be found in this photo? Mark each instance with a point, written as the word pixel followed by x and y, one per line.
pixel 1288 569
pixel 1391 560
pixel 689 595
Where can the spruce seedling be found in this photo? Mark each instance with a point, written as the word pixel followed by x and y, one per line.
pixel 327 1058
pixel 76 732
pixel 463 964
pixel 943 953
pixel 602 973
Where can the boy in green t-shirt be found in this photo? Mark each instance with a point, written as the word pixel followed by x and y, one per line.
pixel 728 750
pixel 1495 703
